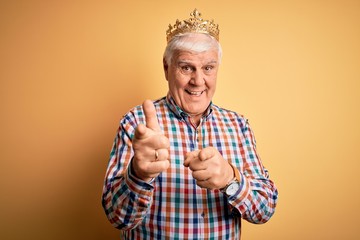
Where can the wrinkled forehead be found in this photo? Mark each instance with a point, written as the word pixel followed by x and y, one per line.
pixel 195 58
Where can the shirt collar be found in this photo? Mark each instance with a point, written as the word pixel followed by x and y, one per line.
pixel 170 102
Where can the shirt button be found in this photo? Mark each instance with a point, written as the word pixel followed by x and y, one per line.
pixel 203 215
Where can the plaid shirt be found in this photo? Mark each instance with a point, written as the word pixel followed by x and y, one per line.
pixel 172 206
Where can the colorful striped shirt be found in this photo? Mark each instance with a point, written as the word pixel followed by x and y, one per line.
pixel 172 206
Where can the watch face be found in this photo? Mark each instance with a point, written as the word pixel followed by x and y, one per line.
pixel 232 188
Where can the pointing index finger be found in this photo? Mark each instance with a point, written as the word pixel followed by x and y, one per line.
pixel 150 116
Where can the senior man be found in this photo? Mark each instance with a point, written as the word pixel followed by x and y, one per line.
pixel 181 166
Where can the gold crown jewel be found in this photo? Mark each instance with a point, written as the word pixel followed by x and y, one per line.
pixel 194 24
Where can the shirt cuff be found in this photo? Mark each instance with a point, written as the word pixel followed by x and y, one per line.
pixel 137 185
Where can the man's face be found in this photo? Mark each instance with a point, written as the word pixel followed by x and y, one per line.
pixel 192 79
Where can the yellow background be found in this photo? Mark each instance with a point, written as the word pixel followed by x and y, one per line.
pixel 71 69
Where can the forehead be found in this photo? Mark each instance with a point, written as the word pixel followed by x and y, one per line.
pixel 206 57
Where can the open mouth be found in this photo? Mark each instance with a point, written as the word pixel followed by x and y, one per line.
pixel 194 93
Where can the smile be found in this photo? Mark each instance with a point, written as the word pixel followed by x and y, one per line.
pixel 194 93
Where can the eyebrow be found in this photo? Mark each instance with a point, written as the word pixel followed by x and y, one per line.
pixel 189 62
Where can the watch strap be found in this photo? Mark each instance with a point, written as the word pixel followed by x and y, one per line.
pixel 236 172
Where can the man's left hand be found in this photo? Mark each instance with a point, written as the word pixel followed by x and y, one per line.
pixel 209 168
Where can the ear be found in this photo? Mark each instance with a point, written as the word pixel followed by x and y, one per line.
pixel 166 67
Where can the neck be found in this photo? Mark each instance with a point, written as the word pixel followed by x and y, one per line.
pixel 195 118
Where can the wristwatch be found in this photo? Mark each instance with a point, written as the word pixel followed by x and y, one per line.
pixel 233 186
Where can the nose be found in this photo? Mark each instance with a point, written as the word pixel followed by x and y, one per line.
pixel 197 78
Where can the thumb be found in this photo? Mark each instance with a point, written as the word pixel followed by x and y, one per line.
pixel 207 153
pixel 150 116
pixel 190 156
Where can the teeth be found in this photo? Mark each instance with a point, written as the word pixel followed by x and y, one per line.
pixel 195 93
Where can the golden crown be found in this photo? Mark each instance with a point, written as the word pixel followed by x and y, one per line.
pixel 194 24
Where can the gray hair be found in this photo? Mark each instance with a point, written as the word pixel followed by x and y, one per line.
pixel 183 42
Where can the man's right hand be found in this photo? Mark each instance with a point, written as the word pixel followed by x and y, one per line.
pixel 151 147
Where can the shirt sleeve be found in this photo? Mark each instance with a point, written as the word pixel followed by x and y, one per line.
pixel 257 196
pixel 126 199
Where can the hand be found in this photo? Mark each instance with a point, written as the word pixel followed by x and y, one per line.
pixel 209 168
pixel 147 141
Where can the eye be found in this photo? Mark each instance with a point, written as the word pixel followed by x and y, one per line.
pixel 186 69
pixel 208 68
